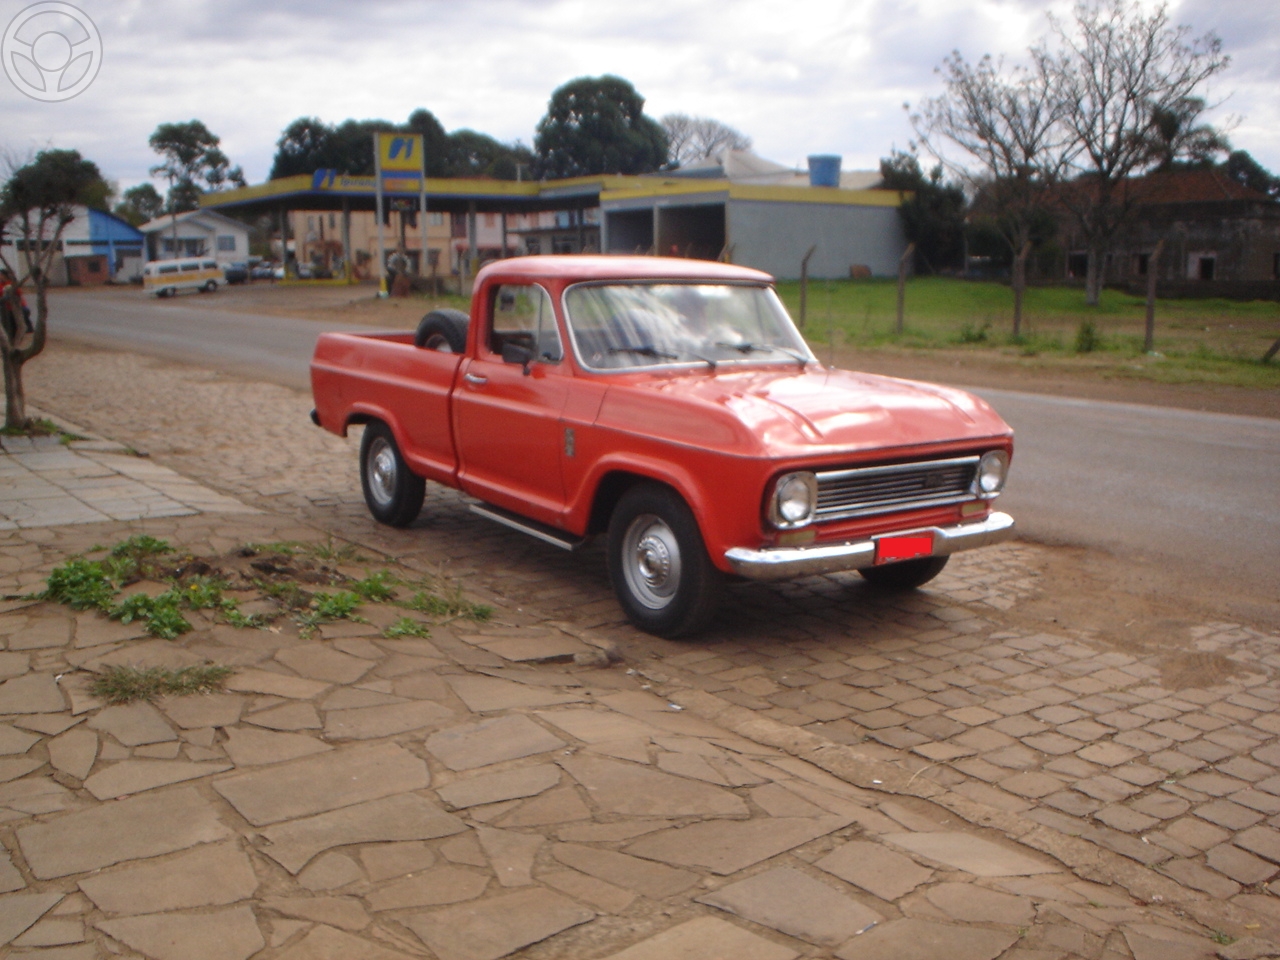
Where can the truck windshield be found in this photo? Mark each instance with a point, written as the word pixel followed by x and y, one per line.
pixel 628 325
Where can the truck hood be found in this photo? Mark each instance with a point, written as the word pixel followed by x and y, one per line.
pixel 795 412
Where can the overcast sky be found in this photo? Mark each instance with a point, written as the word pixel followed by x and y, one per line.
pixel 798 76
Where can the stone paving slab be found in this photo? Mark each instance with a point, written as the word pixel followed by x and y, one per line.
pixel 47 484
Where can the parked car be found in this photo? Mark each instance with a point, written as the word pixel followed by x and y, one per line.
pixel 237 272
pixel 166 278
pixel 265 271
pixel 671 406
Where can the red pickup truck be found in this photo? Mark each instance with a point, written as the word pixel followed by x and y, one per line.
pixel 673 406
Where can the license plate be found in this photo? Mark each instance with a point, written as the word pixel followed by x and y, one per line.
pixel 890 549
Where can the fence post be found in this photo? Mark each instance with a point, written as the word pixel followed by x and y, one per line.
pixel 804 284
pixel 902 283
pixel 1149 337
pixel 1019 286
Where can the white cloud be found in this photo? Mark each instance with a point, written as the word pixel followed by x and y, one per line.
pixel 806 76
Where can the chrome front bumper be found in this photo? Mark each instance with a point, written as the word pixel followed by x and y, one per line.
pixel 782 563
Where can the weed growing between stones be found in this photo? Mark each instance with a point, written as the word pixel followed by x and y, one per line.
pixel 450 604
pixel 117 685
pixel 284 579
pixel 406 627
pixel 327 607
pixel 377 586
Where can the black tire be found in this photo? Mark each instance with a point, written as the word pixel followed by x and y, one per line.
pixel 210 287
pixel 663 578
pixel 905 574
pixel 392 491
pixel 444 330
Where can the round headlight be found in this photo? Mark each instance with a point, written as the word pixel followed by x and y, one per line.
pixel 794 498
pixel 992 470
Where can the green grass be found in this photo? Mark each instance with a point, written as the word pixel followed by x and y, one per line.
pixel 1206 341
pixel 117 685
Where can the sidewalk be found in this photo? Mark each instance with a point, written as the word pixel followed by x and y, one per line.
pixel 493 789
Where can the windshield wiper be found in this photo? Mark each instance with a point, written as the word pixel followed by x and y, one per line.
pixel 748 347
pixel 645 351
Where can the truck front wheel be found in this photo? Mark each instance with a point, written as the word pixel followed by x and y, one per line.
pixel 392 491
pixel 661 573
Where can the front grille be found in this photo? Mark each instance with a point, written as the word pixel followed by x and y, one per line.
pixel 865 491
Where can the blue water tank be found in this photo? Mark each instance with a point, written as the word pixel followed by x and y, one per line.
pixel 824 170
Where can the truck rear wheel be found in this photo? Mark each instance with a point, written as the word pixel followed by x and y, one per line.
pixel 663 578
pixel 904 575
pixel 444 330
pixel 392 491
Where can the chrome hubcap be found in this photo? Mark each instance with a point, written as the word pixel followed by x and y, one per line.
pixel 382 471
pixel 651 561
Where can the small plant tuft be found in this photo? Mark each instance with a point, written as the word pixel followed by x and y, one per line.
pixel 81 584
pixel 971 334
pixel 163 617
pixel 334 552
pixel 117 685
pixel 452 605
pixel 1088 339
pixel 327 607
pixel 376 587
pixel 406 627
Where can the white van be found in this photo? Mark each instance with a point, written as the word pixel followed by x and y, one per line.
pixel 164 278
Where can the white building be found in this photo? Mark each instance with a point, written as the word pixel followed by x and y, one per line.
pixel 197 233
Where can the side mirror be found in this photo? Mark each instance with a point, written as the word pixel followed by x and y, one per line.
pixel 517 353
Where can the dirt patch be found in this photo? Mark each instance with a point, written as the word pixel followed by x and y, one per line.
pixel 1182 671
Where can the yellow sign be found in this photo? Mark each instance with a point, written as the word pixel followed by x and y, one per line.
pixel 399 151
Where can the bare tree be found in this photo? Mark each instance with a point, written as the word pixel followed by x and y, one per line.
pixel 35 207
pixel 1128 83
pixel 698 138
pixel 1014 146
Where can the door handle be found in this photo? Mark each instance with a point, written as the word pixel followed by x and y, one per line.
pixel 472 378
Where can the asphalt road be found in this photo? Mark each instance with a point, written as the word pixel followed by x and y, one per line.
pixel 1196 495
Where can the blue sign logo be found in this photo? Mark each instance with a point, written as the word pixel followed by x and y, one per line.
pixel 401 143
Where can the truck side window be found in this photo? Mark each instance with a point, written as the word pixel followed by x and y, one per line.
pixel 523 314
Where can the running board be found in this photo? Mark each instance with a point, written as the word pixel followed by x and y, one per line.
pixel 534 529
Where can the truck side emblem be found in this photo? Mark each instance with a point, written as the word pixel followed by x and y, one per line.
pixel 568 441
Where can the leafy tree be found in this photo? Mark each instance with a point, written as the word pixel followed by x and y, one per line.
pixel 1013 146
pixel 933 219
pixel 140 204
pixel 1120 75
pixel 193 162
pixel 436 143
pixel 1242 168
pixel 474 154
pixel 1176 140
pixel 597 125
pixel 308 144
pixel 35 207
pixel 690 139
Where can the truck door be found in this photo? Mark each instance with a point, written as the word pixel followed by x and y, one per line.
pixel 507 415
